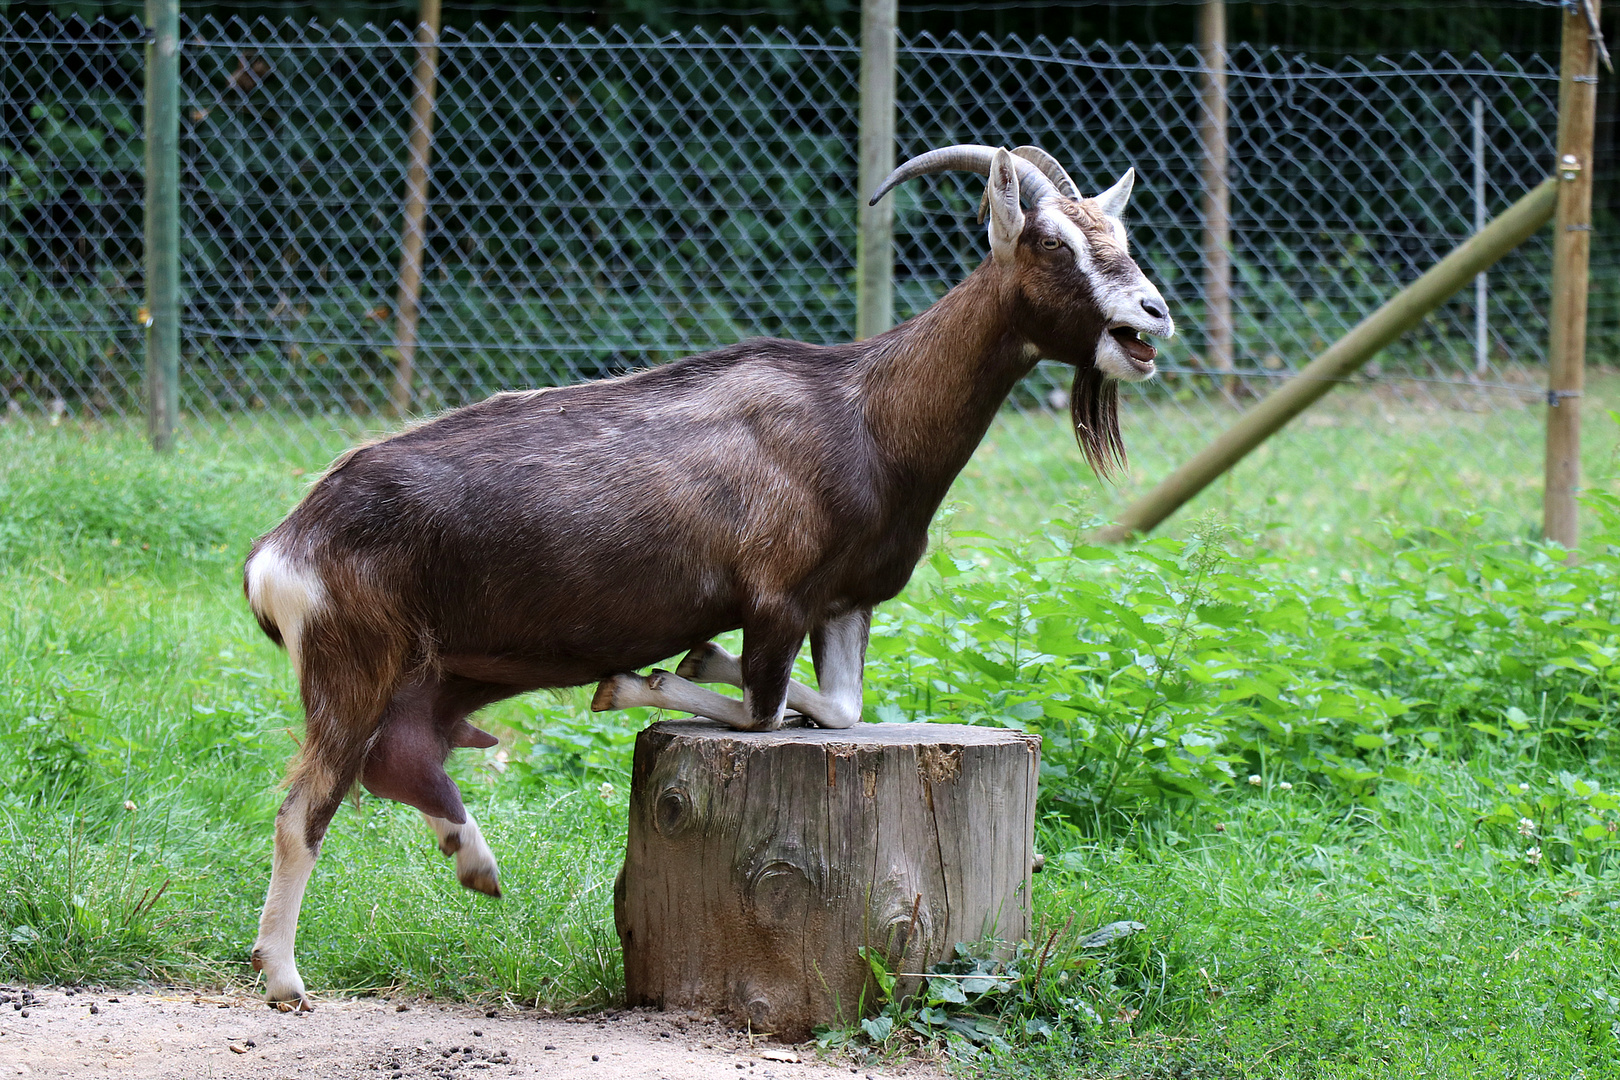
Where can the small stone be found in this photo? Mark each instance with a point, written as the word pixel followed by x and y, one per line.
pixel 95 1010
pixel 477 1034
pixel 235 1049
pixel 25 1012
pixel 492 1014
pixel 550 1047
pixel 402 1007
pixel 249 1043
pixel 595 1058
pixel 112 1001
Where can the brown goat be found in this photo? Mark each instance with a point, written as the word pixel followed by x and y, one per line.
pixel 566 536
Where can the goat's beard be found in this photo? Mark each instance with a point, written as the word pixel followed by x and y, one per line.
pixel 1094 407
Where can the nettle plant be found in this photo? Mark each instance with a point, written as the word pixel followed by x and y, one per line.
pixel 1161 675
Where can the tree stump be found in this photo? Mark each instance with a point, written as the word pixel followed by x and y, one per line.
pixel 760 862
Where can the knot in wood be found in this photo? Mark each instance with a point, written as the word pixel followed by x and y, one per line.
pixel 673 812
pixel 939 764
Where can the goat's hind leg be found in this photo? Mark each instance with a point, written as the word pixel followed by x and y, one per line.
pixel 424 722
pixel 321 778
pixel 475 862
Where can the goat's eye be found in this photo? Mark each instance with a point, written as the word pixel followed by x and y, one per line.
pixel 1051 244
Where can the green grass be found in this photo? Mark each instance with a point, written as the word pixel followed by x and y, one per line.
pixel 1320 488
pixel 1308 940
pixel 1331 928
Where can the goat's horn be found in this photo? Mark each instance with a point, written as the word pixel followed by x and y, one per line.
pixel 1054 172
pixel 967 158
pixel 1048 165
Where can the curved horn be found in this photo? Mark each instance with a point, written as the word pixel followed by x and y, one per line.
pixel 1054 172
pixel 966 158
pixel 1049 166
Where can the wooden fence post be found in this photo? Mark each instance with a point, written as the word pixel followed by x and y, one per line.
pixel 162 221
pixel 413 236
pixel 1572 243
pixel 874 247
pixel 1212 128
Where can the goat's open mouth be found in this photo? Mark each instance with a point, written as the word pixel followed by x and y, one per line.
pixel 1140 352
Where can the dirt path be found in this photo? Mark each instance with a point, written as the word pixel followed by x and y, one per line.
pixel 181 1035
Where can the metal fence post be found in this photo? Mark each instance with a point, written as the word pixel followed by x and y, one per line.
pixel 1572 242
pixel 162 238
pixel 414 234
pixel 1217 194
pixel 874 247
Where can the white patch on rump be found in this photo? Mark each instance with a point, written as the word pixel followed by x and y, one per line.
pixel 283 593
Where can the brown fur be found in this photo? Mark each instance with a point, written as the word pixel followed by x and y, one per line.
pixel 558 537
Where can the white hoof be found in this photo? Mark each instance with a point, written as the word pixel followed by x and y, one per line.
pixel 476 869
pixel 283 987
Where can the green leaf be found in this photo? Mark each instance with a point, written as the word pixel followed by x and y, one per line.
pixel 879 965
pixel 878 1028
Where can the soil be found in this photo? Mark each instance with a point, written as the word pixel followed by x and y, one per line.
pixel 182 1034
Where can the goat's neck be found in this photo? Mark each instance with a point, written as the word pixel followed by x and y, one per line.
pixel 934 384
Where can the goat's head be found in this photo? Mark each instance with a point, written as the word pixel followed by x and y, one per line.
pixel 1077 295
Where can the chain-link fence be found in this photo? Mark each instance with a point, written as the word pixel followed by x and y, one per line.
pixel 603 201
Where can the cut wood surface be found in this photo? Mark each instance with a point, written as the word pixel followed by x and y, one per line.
pixel 760 862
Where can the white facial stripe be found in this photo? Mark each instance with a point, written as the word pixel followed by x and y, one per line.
pixel 1120 301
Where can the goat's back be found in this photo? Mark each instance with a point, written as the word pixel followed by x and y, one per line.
pixel 601 527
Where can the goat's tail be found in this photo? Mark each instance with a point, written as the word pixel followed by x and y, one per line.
pixel 284 593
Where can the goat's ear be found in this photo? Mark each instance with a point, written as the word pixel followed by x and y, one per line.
pixel 1112 202
pixel 1006 216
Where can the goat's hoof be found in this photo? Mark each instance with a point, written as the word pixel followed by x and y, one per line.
pixel 696 663
pixel 603 699
pixel 283 992
pixel 482 881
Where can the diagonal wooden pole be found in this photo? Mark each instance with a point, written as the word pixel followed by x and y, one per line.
pixel 1399 314
pixel 1572 245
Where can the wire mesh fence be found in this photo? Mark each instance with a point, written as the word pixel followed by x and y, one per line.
pixel 601 201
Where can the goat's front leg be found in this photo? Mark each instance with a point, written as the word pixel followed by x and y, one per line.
pixel 762 672
pixel 838 647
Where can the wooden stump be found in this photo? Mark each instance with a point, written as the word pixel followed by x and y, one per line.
pixel 760 862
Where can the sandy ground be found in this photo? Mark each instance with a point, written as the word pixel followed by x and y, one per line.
pixel 181 1034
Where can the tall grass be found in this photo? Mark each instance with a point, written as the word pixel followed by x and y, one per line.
pixel 1368 906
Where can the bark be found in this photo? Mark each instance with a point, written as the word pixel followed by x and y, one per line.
pixel 759 863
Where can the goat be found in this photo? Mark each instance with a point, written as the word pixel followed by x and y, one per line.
pixel 571 535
